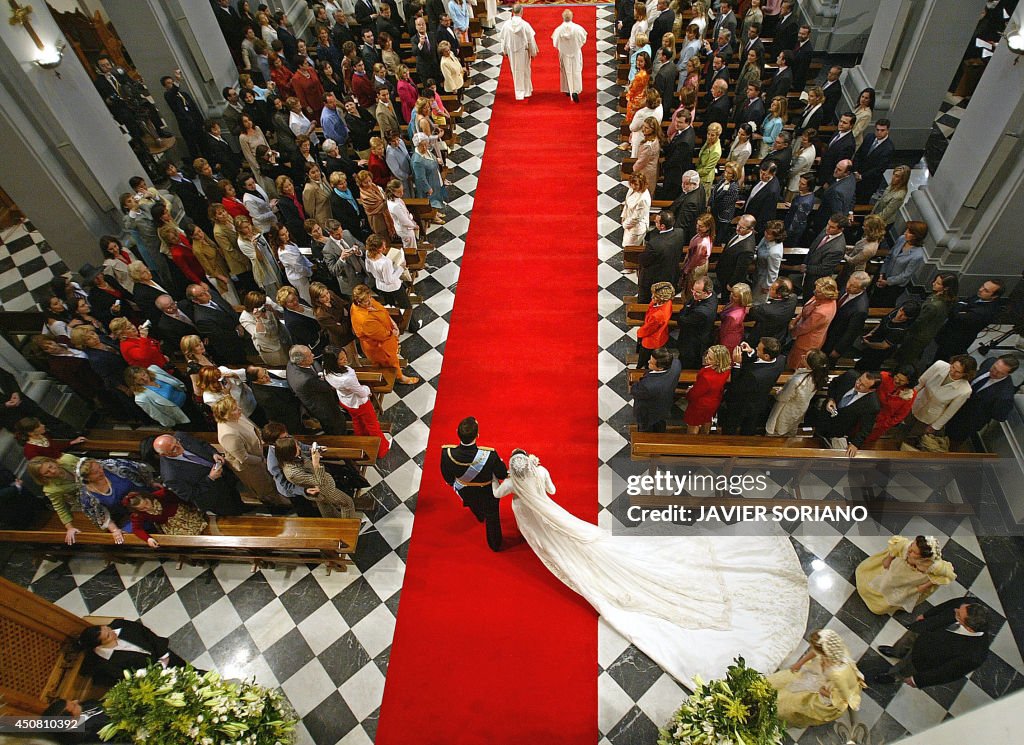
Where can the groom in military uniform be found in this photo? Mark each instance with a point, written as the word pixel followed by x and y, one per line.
pixel 470 470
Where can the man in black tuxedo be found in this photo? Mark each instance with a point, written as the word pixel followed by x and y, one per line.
pixel 187 113
pixel 719 107
pixel 275 398
pixel 833 92
pixel 218 322
pixel 196 472
pixel 826 251
pixel 991 398
pixel 748 394
pixel 111 650
pixel 847 324
pixel 655 393
pixel 689 205
pixel 733 264
pixel 782 81
pixel 781 155
pixel 813 115
pixel 803 53
pixel 471 470
pixel 424 46
pixel 196 206
pixel 173 324
pixel 787 30
pixel 663 250
pixel 90 715
pixel 678 153
pixel 841 147
pixel 696 321
pixel 968 318
pixel 751 108
pixel 662 24
pixel 772 317
pixel 850 410
pixel 315 393
pixel 872 160
pixel 943 644
pixel 763 199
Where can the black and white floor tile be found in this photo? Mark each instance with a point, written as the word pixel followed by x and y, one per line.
pixel 27 264
pixel 324 639
pixel 635 695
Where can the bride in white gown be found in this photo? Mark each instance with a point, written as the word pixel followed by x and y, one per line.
pixel 692 604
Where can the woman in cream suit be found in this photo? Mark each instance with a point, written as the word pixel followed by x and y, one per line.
pixel 316 195
pixel 243 448
pixel 636 211
pixel 942 389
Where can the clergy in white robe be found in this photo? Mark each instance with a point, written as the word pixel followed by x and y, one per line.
pixel 519 44
pixel 569 39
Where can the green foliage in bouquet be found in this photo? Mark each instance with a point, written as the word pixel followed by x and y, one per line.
pixel 178 706
pixel 740 709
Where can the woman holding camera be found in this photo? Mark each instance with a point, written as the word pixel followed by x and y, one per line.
pixel 310 472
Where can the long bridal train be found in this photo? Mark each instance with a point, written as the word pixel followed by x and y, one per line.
pixel 692 604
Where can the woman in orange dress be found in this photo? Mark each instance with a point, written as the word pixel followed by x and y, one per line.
pixel 654 333
pixel 636 94
pixel 809 329
pixel 377 333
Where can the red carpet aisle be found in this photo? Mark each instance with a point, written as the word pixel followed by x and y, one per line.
pixel 491 648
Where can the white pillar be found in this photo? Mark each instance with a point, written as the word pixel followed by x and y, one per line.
pixel 65 160
pixel 974 202
pixel 911 57
pixel 840 26
pixel 164 35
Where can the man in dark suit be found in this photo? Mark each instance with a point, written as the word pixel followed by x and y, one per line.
pixel 218 151
pixel 663 250
pixel 772 317
pixel 841 147
pixel 787 30
pixel 752 42
pixel 991 398
pixel 196 472
pixel 751 108
pixel 232 28
pixel 187 113
pixel 665 79
pixel 127 100
pixel 696 321
pixel 733 264
pixel 285 36
pixel 678 154
pixel 689 205
pixel 366 13
pixel 195 204
pixel 872 160
pixel 111 650
pixel 315 393
pixel 90 716
pixel 781 155
pixel 748 394
pixel 424 46
pixel 719 107
pixel 847 324
pixel 16 405
pixel 838 197
pixel 968 318
pixel 218 323
pixel 813 115
pixel 850 410
pixel 803 53
pixel 275 398
pixel 833 92
pixel 662 24
pixel 943 644
pixel 763 199
pixel 470 470
pixel 782 81
pixel 655 393
pixel 173 323
pixel 826 251
pixel 718 71
pixel 725 19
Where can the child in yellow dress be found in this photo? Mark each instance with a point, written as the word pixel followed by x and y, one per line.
pixel 821 686
pixel 904 574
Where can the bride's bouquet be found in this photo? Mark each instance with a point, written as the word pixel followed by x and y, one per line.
pixel 739 709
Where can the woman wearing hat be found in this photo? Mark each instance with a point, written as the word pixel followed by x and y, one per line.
pixel 654 332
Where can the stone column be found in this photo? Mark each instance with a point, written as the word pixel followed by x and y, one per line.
pixel 840 26
pixel 911 57
pixel 974 202
pixel 164 35
pixel 65 159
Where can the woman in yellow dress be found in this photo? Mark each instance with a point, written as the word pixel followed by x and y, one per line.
pixel 636 94
pixel 821 685
pixel 710 154
pixel 904 574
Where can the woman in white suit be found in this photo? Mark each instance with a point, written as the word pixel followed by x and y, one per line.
pixel 941 390
pixel 636 211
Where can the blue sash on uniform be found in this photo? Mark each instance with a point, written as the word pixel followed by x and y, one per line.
pixel 473 471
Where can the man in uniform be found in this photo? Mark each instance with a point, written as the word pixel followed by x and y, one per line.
pixel 470 470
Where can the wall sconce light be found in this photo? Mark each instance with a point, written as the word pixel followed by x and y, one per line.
pixel 47 57
pixel 1014 36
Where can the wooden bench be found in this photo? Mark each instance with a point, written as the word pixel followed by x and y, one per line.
pixel 263 542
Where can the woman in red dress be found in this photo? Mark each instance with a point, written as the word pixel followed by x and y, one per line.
pixel 282 77
pixel 654 333
pixel 181 253
pixel 31 435
pixel 136 345
pixel 896 394
pixel 730 332
pixel 705 395
pixel 230 200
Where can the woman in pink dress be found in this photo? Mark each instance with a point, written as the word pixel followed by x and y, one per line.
pixel 809 329
pixel 705 395
pixel 698 254
pixel 730 330
pixel 408 93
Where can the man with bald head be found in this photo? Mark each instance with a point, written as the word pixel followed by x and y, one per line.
pixel 306 380
pixel 196 472
pixel 689 205
pixel 569 39
pixel 839 195
pixel 733 264
pixel 172 324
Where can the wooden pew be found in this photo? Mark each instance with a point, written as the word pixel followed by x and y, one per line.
pixel 263 542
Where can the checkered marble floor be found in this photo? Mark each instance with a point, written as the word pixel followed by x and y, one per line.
pixel 27 264
pixel 325 640
pixel 635 695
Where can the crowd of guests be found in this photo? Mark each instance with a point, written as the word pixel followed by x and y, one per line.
pixel 750 311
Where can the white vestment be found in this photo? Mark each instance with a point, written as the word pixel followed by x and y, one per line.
pixel 692 604
pixel 569 39
pixel 520 46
